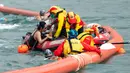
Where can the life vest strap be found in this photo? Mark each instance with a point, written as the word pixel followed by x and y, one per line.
pixel 84 35
pixel 58 13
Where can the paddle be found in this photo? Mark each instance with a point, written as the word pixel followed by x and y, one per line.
pixel 117 43
pixel 121 42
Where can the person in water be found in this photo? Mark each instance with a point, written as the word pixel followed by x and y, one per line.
pixel 59 15
pixel 36 40
pixel 73 21
pixel 72 46
pixel 43 15
pixel 3 19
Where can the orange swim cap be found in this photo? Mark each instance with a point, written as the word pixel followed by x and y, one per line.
pixel 23 48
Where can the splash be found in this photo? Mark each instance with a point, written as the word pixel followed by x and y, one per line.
pixel 8 26
pixel 30 18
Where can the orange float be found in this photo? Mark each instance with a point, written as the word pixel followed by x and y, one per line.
pixel 23 48
pixel 75 62
pixel 121 51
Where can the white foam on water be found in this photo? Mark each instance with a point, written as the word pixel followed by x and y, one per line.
pixel 30 18
pixel 8 26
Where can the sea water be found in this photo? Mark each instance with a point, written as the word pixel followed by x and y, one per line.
pixel 115 13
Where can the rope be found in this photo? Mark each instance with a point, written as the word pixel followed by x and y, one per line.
pixel 77 58
pixel 82 61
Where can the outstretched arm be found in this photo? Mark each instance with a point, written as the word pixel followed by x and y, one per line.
pixel 60 25
pixel 90 48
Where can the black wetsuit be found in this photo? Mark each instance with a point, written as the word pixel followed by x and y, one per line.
pixel 32 42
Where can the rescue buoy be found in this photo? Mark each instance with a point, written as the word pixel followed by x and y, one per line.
pixel 23 48
pixel 121 51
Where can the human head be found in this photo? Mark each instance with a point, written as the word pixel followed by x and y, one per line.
pixel 26 37
pixel 54 10
pixel 71 17
pixel 42 12
pixel 48 53
pixel 72 34
pixel 41 25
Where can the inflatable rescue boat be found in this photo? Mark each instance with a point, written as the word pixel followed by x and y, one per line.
pixel 75 62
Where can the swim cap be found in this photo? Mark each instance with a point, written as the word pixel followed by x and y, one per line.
pixel 41 24
pixel 42 12
pixel 48 53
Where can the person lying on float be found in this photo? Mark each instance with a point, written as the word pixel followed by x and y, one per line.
pixel 72 46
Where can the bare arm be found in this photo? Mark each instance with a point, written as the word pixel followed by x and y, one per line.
pixel 38 18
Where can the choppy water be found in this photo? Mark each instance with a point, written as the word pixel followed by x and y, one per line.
pixel 115 13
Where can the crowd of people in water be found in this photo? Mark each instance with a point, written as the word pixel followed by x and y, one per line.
pixel 58 23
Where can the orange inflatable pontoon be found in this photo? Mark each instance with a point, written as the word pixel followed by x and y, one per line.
pixel 18 11
pixel 75 62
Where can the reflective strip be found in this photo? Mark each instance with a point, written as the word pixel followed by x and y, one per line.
pixel 83 35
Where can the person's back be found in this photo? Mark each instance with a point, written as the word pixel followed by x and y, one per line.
pixel 36 41
pixel 85 37
pixel 70 46
pixel 73 21
pixel 88 41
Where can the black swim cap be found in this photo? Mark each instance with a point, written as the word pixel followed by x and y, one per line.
pixel 48 53
pixel 42 12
